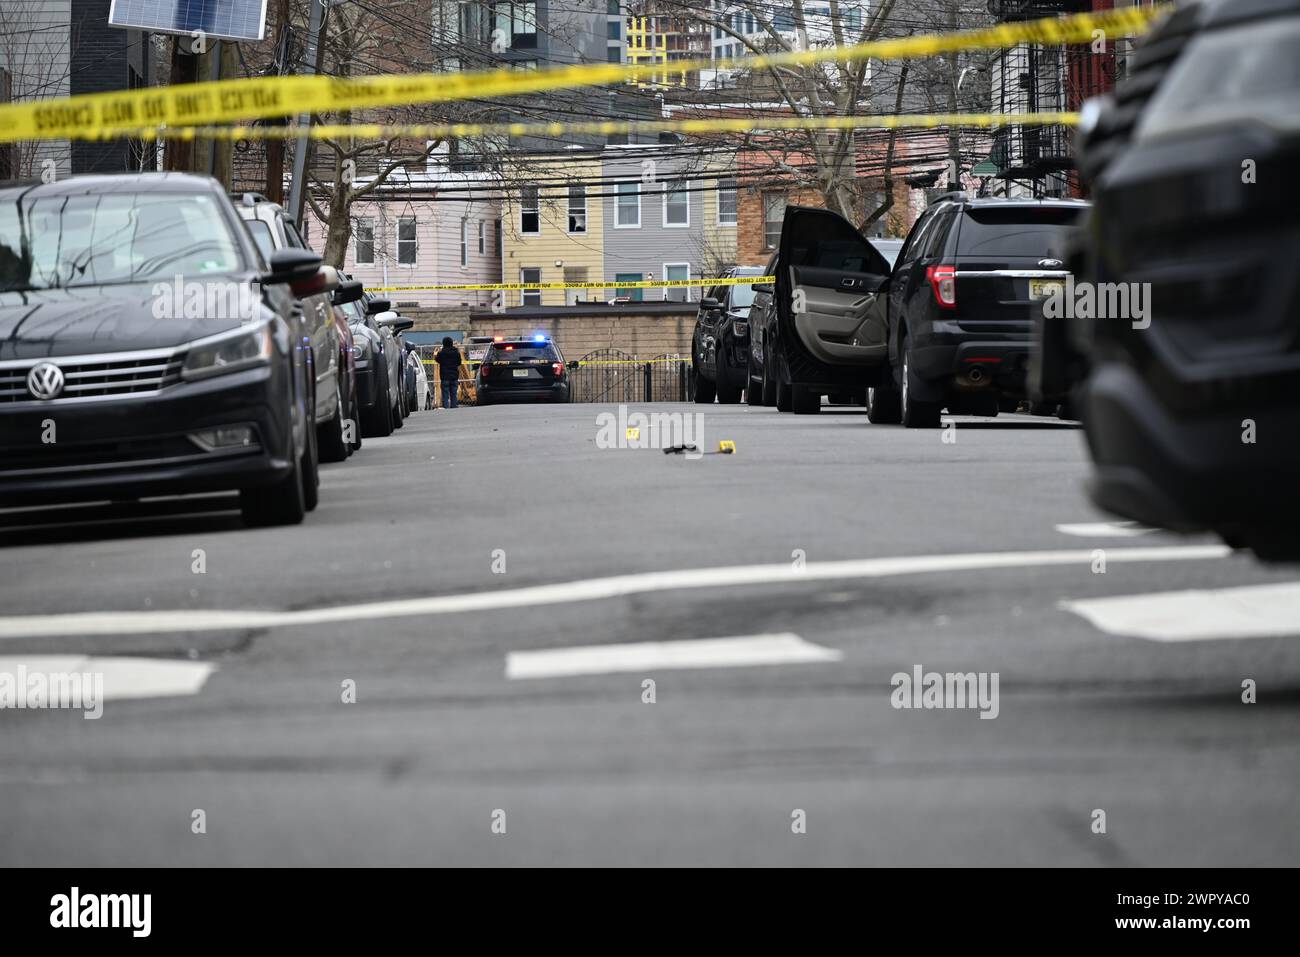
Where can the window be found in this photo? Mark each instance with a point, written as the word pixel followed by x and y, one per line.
pixel 614 29
pixel 773 215
pixel 677 204
pixel 634 294
pixel 518 21
pixel 464 243
pixel 727 202
pixel 577 209
pixel 612 7
pixel 262 236
pixel 628 214
pixel 530 297
pixel 574 274
pixel 530 215
pixel 675 272
pixel 482 238
pixel 365 241
pixel 496 236
pixel 614 54
pixel 406 245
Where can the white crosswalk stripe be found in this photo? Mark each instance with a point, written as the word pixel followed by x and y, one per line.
pixel 743 651
pixel 1255 611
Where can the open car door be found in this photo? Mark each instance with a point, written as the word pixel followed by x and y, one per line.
pixel 827 280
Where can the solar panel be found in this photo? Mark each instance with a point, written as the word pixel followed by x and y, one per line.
pixel 219 19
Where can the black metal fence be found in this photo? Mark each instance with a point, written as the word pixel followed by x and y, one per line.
pixel 610 375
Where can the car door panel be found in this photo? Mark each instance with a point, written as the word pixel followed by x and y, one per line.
pixel 828 280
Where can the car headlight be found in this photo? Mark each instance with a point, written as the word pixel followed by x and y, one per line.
pixel 228 352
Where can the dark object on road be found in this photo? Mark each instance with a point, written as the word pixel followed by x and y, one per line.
pixel 720 344
pixel 378 364
pixel 523 370
pixel 145 349
pixel 1193 414
pixel 449 362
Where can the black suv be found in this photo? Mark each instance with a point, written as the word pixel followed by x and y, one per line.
pixel 720 344
pixel 522 370
pixel 1193 417
pixel 959 308
pixel 146 349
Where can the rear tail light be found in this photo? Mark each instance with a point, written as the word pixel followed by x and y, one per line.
pixel 943 280
pixel 558 369
pixel 483 370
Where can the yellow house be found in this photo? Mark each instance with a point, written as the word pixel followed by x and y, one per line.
pixel 554 232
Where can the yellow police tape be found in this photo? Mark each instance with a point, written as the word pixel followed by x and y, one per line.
pixel 612 284
pixel 224 101
pixel 729 124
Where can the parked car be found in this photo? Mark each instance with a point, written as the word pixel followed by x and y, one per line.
pixel 377 363
pixel 272 229
pixel 720 344
pixel 523 370
pixel 348 292
pixel 413 377
pixel 1191 413
pixel 147 348
pixel 392 324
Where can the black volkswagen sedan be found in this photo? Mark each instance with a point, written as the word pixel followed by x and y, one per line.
pixel 147 349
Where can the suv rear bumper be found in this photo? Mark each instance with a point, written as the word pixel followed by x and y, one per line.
pixel 944 356
pixel 489 394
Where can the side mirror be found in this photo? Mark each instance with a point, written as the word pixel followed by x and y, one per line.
pixel 350 291
pixel 401 325
pixel 767 287
pixel 376 306
pixel 290 265
pixel 326 279
pixel 708 303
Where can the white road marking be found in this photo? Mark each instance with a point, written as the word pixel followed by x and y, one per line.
pixel 592 589
pixel 1105 529
pixel 1255 611
pixel 740 652
pixel 123 677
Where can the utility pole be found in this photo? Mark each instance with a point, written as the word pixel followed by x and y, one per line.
pixel 179 154
pixel 302 151
pixel 8 159
pixel 275 147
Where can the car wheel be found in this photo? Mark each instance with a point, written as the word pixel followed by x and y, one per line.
pixel 883 403
pixel 354 419
pixel 705 391
pixel 915 414
pixel 330 438
pixel 804 401
pixel 278 504
pixel 399 406
pixel 728 394
pixel 769 381
pixel 310 473
pixel 754 384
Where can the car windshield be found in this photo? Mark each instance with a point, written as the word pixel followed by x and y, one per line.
pixel 742 294
pixel 68 242
pixel 1016 231
pixel 522 352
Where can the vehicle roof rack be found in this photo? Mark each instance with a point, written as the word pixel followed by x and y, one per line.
pixel 249 198
pixel 953 195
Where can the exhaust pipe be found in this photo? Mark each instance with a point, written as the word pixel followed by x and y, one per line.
pixel 975 374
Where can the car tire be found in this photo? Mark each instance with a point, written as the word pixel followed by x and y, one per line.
pixel 379 419
pixel 310 473
pixel 804 401
pixel 915 413
pixel 278 504
pixel 728 394
pixel 769 382
pixel 704 390
pixel 399 406
pixel 883 403
pixel 329 436
pixel 753 384
pixel 354 416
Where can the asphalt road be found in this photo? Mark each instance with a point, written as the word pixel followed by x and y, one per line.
pixel 447 731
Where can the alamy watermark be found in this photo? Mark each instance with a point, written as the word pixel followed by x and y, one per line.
pixel 206 299
pixel 948 690
pixel 651 430
pixel 21 689
pixel 1130 301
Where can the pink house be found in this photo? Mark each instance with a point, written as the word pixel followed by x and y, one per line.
pixel 429 227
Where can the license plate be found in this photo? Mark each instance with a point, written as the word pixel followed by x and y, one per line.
pixel 1043 288
pixel 521 373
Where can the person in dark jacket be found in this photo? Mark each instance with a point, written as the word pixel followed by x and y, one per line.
pixel 449 361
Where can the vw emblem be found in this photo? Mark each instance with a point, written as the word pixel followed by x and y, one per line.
pixel 45 381
pixel 1050 263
